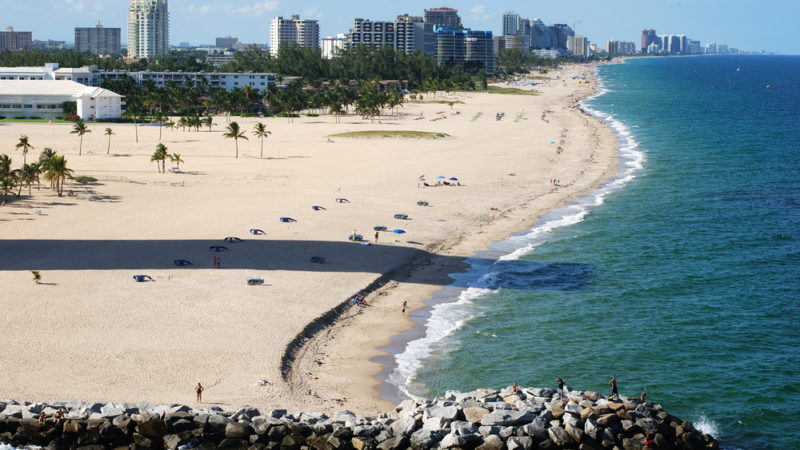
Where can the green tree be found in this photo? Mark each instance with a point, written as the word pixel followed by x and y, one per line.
pixel 6 186
pixel 108 133
pixel 25 146
pixel 80 129
pixel 58 172
pixel 261 132
pixel 234 132
pixel 208 121
pixel 176 158
pixel 28 175
pixel 160 157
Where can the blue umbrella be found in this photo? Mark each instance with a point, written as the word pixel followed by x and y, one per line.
pixel 440 176
pixel 453 179
pixel 398 231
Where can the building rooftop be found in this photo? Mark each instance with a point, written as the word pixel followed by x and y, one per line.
pixel 52 87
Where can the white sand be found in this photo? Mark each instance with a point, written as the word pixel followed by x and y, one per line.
pixel 89 332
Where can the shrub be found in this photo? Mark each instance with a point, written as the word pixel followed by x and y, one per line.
pixel 312 115
pixel 83 179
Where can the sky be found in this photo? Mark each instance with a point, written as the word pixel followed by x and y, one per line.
pixel 744 24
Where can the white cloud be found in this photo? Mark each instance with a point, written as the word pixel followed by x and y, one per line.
pixel 257 8
pixel 478 12
pixel 69 5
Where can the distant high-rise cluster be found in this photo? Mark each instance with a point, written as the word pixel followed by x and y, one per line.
pixel 678 44
pixel 303 32
pixel 148 28
pixel 444 16
pixel 533 36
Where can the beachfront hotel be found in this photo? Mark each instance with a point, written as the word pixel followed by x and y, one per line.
pixel 14 41
pixel 406 34
pixel 303 32
pixel 43 99
pixel 148 28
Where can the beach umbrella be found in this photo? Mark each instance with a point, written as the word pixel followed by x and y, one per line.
pixel 453 179
pixel 440 177
pixel 398 231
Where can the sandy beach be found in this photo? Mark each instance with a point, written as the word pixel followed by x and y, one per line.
pixel 90 332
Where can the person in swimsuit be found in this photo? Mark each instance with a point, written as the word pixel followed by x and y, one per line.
pixel 376 237
pixel 613 384
pixel 42 418
pixel 515 388
pixel 58 415
pixel 641 399
pixel 403 309
pixel 199 390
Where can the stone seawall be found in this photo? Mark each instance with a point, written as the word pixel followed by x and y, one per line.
pixel 483 419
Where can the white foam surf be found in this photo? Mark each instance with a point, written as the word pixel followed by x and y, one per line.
pixel 452 305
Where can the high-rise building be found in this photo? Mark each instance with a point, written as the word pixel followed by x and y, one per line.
pixel 97 40
pixel 542 36
pixel 226 42
pixel 614 47
pixel 648 37
pixel 444 16
pixel 303 32
pixel 578 45
pixel 15 40
pixel 561 32
pixel 148 28
pixel 331 45
pixel 401 35
pixel 510 23
pixel 464 46
pixel 519 42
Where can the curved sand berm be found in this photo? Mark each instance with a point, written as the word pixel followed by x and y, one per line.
pixel 89 332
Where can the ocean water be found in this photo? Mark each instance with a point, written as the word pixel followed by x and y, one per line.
pixel 680 275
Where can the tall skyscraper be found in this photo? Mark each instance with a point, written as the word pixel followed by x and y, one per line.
pixel 97 40
pixel 299 31
pixel 15 40
pixel 510 23
pixel 406 34
pixel 464 46
pixel 444 16
pixel 148 28
pixel 226 42
pixel 648 37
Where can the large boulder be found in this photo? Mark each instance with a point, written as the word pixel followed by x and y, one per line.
pixel 404 426
pixel 151 427
pixel 424 439
pixel 462 428
pixel 491 442
pixel 591 429
pixel 519 443
pixel 238 430
pixel 506 417
pixel 395 443
pixel 574 432
pixel 455 441
pixel 560 437
pixel 475 414
pixel 445 412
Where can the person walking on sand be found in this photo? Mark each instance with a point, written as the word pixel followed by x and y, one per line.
pixel 403 308
pixel 199 390
pixel 376 236
pixel 613 384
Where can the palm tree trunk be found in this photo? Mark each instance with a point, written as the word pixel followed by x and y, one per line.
pixel 159 131
pixel 136 128
pixel 237 148
pixel 80 146
pixel 108 150
pixel 262 147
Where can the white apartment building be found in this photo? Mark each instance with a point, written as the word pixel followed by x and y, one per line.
pixel 330 45
pixel 35 98
pixel 299 31
pixel 92 76
pixel 148 28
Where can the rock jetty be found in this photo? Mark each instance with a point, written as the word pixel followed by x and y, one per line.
pixel 484 419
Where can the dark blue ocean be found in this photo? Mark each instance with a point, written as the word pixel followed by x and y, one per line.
pixel 680 275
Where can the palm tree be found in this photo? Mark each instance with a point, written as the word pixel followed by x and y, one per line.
pixel 176 158
pixel 25 146
pixel 6 186
pixel 80 129
pixel 171 125
pixel 108 133
pixel 44 161
pixel 160 155
pixel 159 118
pixel 5 165
pixel 37 277
pixel 208 121
pixel 57 173
pixel 261 132
pixel 27 176
pixel 233 132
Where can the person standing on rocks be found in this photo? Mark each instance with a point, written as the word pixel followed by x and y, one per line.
pixel 561 383
pixel 199 390
pixel 613 384
pixel 641 399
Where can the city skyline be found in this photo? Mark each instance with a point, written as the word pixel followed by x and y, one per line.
pixel 199 22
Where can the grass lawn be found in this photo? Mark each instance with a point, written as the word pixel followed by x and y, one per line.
pixel 443 102
pixel 382 134
pixel 33 121
pixel 509 91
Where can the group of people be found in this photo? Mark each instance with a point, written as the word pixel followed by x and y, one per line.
pixel 561 383
pixel 58 417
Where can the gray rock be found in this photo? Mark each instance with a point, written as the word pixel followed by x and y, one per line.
pixel 394 443
pixel 557 411
pixel 110 410
pixel 406 408
pixel 647 425
pixel 172 441
pixel 461 428
pixel 560 437
pixel 435 423
pixel 14 411
pixel 497 405
pixel 573 408
pixel 591 429
pixel 404 426
pixel 276 413
pixel 238 430
pixel 537 429
pixel 454 441
pixel 424 439
pixel 506 432
pixel 218 422
pixel 569 419
pixel 445 412
pixel 488 431
pixel 366 430
pixel 475 414
pixel 519 443
pixel 491 442
pixel 505 418
pixel 344 417
pixel 606 438
pixel 152 427
pixel 178 408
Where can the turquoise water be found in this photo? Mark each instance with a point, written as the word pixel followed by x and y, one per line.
pixel 681 275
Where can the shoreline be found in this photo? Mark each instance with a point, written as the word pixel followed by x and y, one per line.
pixel 376 363
pixel 110 338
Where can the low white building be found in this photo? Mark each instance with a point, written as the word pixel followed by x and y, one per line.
pixel 34 98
